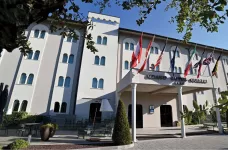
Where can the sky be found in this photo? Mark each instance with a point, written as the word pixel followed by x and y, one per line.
pixel 158 23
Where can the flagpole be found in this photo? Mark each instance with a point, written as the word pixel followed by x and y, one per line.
pixel 216 97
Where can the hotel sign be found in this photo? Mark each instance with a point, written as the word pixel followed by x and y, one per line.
pixel 176 80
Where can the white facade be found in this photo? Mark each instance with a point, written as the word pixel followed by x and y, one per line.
pixel 68 78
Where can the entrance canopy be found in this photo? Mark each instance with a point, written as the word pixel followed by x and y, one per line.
pixel 163 82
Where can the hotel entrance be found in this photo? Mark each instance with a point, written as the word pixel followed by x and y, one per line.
pixel 166 116
pixel 139 115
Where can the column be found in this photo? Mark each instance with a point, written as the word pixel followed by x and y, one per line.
pixel 180 98
pixel 216 97
pixel 133 113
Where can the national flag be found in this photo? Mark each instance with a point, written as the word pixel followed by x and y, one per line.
pixel 147 55
pixel 207 60
pixel 136 55
pixel 160 57
pixel 215 70
pixel 189 63
pixel 200 64
pixel 173 60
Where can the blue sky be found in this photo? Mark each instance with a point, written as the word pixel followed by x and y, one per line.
pixel 158 23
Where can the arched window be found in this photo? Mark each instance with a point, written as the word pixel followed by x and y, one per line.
pixel 56 107
pixel 36 33
pixel 156 50
pixel 200 106
pixel 152 67
pixel 30 79
pixel 126 46
pixel 180 70
pixel 99 40
pixel 157 68
pixel 63 107
pixel 69 39
pixel 96 60
pixel 101 84
pixel 178 54
pixel 104 41
pixel 219 90
pixel 67 82
pixel 71 59
pixel 132 46
pixel 23 78
pixel 175 69
pixel 65 57
pixel 195 71
pixel 126 65
pixel 30 55
pixel 16 105
pixel 24 105
pixel 102 61
pixel 196 55
pixel 152 50
pixel 94 83
pixel 36 55
pixel 42 35
pixel 61 80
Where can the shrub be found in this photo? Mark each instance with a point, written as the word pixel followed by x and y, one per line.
pixel 14 119
pixel 49 125
pixel 121 134
pixel 18 144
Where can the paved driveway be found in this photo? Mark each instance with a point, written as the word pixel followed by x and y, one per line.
pixel 192 142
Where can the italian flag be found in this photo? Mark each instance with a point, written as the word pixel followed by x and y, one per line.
pixel 136 55
pixel 189 63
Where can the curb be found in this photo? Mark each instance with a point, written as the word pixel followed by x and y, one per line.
pixel 111 147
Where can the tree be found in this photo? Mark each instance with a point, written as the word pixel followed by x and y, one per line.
pixel 223 104
pixel 121 134
pixel 17 15
pixel 3 99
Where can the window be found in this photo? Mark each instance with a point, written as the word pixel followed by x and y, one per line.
pixel 104 41
pixel 151 50
pixel 196 55
pixel 30 79
pixel 23 78
pixel 157 68
pixel 99 40
pixel 36 55
pixel 101 84
pixel 227 61
pixel 69 39
pixel 67 82
pixel 126 65
pixel 180 70
pixel 61 80
pixel 178 54
pixel 94 83
pixel 219 90
pixel 63 107
pixel 65 57
pixel 42 35
pixel 195 71
pixel 156 50
pixel 94 112
pixel 175 69
pixel 126 46
pixel 185 108
pixel 30 55
pixel 16 104
pixel 36 33
pixel 173 52
pixel 132 46
pixel 24 105
pixel 202 92
pixel 213 60
pixel 97 59
pixel 152 67
pixel 71 59
pixel 200 106
pixel 56 107
pixel 102 61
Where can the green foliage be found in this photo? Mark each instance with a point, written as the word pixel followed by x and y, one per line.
pixel 223 102
pixel 121 134
pixel 18 144
pixel 48 125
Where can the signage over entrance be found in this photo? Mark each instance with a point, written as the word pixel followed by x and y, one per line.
pixel 176 80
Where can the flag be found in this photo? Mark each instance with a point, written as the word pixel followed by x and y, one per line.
pixel 160 57
pixel 173 60
pixel 189 63
pixel 136 55
pixel 147 51
pixel 215 70
pixel 207 60
pixel 200 64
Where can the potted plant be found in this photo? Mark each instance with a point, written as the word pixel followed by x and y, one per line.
pixel 55 127
pixel 45 131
